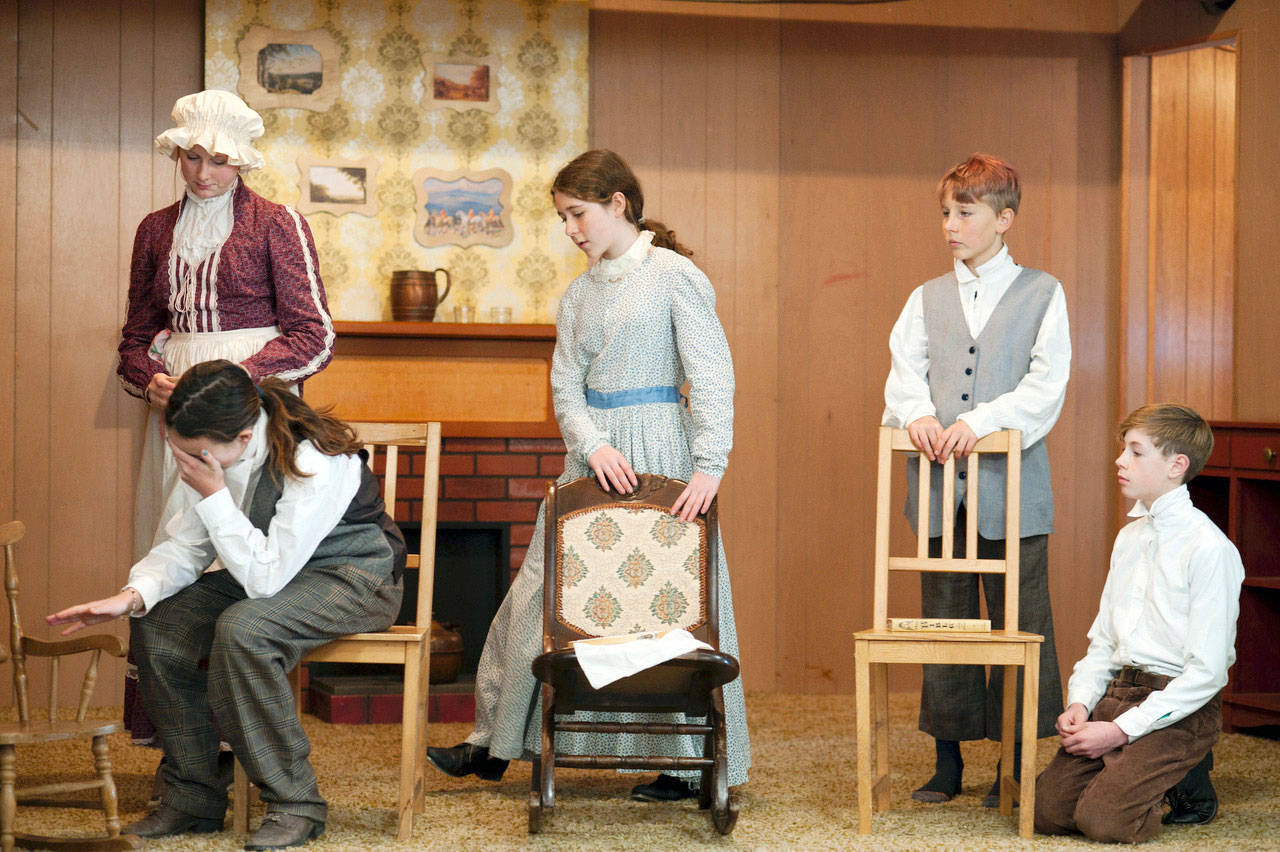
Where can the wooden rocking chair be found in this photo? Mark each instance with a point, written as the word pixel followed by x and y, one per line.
pixel 28 731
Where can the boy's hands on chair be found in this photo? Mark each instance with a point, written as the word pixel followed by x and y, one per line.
pixel 938 443
pixel 202 472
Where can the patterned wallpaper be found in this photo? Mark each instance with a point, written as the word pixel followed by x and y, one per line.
pixel 446 86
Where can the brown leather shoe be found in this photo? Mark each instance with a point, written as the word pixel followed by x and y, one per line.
pixel 165 821
pixel 281 831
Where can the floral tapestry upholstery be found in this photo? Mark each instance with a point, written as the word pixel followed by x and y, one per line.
pixel 630 568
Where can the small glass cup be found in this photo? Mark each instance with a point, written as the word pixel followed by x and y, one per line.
pixel 502 314
pixel 464 313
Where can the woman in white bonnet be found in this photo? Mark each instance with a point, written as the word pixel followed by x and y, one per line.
pixel 221 273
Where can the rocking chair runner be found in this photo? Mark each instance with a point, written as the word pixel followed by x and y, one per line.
pixel 28 731
pixel 620 564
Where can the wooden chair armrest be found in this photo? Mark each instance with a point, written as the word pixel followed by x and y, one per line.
pixel 113 645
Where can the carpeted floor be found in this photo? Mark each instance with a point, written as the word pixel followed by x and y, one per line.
pixel 801 795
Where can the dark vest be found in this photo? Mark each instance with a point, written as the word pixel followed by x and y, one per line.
pixel 964 372
pixel 365 536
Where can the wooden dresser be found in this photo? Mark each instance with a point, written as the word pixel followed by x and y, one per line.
pixel 1240 490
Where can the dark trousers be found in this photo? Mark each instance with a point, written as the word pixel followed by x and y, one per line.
pixel 962 702
pixel 1116 798
pixel 251 644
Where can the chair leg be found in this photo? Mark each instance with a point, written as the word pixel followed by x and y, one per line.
pixel 408 747
pixel 862 716
pixel 240 797
pixel 880 733
pixel 1008 725
pixel 1030 724
pixel 724 808
pixel 8 802
pixel 110 802
pixel 422 714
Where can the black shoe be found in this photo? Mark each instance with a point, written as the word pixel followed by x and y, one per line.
pixel 992 799
pixel 948 769
pixel 1193 801
pixel 664 788
pixel 467 759
pixel 165 821
pixel 281 830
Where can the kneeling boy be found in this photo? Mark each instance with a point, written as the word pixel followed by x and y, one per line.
pixel 1143 704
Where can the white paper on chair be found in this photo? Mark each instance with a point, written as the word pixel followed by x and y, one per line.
pixel 611 658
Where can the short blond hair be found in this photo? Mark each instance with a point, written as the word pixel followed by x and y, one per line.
pixel 983 178
pixel 1175 430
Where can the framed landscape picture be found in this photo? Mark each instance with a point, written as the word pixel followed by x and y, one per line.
pixel 337 186
pixel 462 208
pixel 288 68
pixel 461 83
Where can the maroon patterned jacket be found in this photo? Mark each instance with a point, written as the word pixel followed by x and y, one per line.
pixel 266 273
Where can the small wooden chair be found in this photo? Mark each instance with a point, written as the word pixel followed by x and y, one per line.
pixel 875 648
pixel 27 731
pixel 405 644
pixel 626 560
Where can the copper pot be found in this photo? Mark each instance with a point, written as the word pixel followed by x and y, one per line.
pixel 446 653
pixel 415 293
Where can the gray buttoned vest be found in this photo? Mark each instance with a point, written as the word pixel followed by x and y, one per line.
pixel 964 372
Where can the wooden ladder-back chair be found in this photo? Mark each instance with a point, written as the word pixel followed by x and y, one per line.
pixel 620 564
pixel 875 648
pixel 28 730
pixel 406 644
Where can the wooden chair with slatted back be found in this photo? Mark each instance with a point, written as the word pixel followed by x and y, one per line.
pixel 405 644
pixel 876 648
pixel 29 730
pixel 620 564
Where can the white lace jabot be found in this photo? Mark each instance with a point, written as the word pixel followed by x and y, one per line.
pixel 607 269
pixel 203 226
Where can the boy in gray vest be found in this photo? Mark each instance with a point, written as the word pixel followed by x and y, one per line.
pixel 983 348
pixel 1143 705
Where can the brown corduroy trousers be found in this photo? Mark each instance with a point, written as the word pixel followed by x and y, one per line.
pixel 1116 798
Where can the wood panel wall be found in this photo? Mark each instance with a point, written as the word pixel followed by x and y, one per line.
pixel 865 121
pixel 1191 229
pixel 91 84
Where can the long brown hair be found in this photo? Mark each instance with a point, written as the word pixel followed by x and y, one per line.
pixel 596 175
pixel 218 400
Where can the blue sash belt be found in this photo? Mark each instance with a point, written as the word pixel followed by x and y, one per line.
pixel 633 396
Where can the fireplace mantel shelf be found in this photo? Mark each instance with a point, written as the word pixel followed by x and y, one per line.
pixel 463 330
pixel 483 380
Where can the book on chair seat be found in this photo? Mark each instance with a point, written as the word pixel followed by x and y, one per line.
pixel 941 625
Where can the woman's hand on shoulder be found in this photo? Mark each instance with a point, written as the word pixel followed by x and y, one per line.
pixel 696 497
pixel 202 472
pixel 611 468
pixel 159 389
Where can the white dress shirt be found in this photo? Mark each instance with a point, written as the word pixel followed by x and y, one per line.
pixel 218 527
pixel 1033 406
pixel 1169 606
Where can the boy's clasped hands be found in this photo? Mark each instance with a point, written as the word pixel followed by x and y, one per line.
pixel 1088 739
pixel 937 443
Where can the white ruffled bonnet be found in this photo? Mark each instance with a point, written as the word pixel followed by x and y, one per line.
pixel 217 121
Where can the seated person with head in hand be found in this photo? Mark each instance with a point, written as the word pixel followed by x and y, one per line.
pixel 1142 705
pixel 277 493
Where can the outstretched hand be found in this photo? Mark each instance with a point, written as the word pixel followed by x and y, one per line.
pixel 83 615
pixel 696 497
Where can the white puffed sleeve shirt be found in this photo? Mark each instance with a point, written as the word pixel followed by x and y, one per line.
pixel 1169 606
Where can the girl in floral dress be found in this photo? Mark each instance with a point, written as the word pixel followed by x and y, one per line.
pixel 630 331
